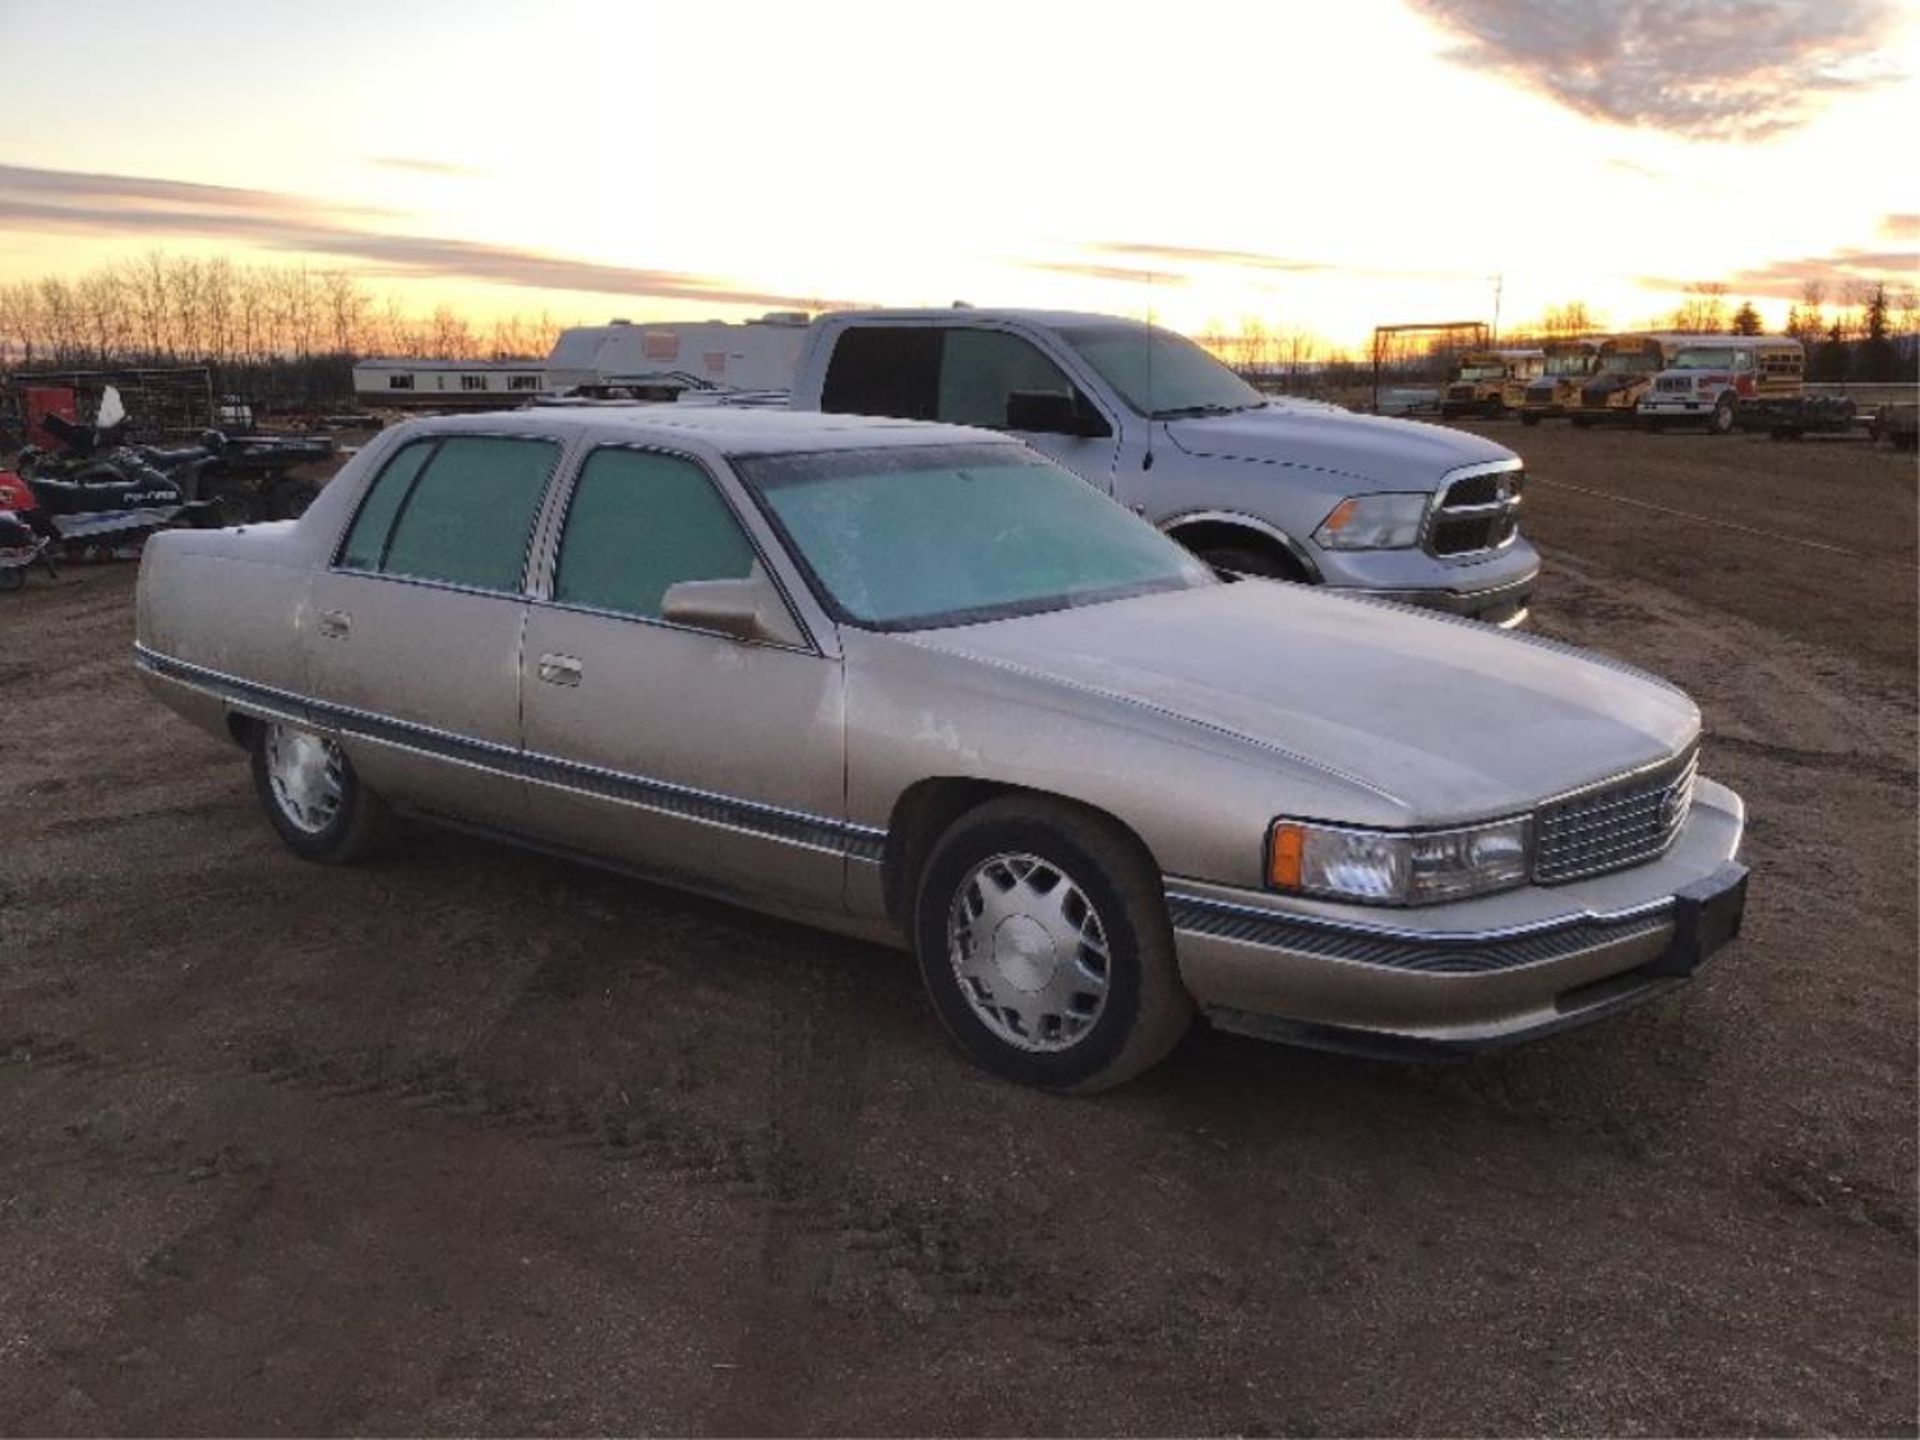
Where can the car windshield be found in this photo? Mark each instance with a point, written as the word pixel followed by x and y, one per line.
pixel 1578 363
pixel 1704 357
pixel 1483 372
pixel 928 536
pixel 1167 377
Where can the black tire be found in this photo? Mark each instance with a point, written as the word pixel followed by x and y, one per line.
pixel 360 825
pixel 1721 421
pixel 1245 560
pixel 1528 418
pixel 1143 1011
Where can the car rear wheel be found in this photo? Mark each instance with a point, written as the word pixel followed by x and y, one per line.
pixel 313 797
pixel 1045 947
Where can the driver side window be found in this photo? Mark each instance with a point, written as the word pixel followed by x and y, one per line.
pixel 981 368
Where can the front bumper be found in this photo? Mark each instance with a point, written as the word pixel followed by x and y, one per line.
pixel 1473 975
pixel 1495 589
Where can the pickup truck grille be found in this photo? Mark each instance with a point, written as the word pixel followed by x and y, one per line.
pixel 1476 512
pixel 1616 826
pixel 1674 384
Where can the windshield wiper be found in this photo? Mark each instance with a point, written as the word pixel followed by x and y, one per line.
pixel 1188 412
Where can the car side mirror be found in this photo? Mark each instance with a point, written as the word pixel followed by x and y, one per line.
pixel 749 609
pixel 1051 412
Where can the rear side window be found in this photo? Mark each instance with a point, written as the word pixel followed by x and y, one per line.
pixel 460 512
pixel 884 370
pixel 640 523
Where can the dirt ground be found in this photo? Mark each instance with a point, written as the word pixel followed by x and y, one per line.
pixel 470 1141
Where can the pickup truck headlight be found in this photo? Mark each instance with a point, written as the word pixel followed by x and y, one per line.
pixel 1397 867
pixel 1373 522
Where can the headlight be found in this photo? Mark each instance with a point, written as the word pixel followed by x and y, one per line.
pixel 1373 522
pixel 1397 867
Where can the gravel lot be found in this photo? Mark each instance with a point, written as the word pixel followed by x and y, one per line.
pixel 469 1141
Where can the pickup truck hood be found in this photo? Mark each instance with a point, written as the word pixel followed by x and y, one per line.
pixel 1446 719
pixel 1368 447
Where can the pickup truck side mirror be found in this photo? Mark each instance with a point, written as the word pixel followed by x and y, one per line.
pixel 749 609
pixel 1050 412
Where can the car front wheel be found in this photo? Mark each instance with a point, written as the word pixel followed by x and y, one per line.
pixel 310 792
pixel 1044 943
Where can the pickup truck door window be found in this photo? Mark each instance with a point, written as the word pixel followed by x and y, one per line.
pixel 670 748
pixel 982 370
pixel 417 626
pixel 963 375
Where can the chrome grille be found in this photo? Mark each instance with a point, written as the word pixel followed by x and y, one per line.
pixel 1615 826
pixel 1476 512
pixel 1674 384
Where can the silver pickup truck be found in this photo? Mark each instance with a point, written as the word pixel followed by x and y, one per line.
pixel 1289 489
pixel 916 683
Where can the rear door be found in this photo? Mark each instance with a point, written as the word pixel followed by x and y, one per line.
pixel 413 634
pixel 717 761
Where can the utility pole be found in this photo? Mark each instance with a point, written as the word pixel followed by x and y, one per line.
pixel 1499 282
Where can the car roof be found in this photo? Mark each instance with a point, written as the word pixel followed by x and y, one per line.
pixel 720 429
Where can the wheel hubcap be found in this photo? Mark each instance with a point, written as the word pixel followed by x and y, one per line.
pixel 1030 952
pixel 308 774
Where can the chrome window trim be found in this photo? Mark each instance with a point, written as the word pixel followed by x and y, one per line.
pixel 711 807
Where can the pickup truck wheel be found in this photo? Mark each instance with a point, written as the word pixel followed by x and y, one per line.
pixel 311 794
pixel 1721 422
pixel 1045 947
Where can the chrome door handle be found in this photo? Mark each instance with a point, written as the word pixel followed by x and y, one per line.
pixel 334 624
pixel 559 669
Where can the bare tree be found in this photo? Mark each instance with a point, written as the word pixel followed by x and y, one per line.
pixel 1704 311
pixel 1572 318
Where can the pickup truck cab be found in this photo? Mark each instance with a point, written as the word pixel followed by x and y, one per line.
pixel 1289 489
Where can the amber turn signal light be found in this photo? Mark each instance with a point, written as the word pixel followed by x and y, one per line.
pixel 1283 856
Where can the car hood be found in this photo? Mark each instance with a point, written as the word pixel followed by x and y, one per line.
pixel 1368 447
pixel 1445 720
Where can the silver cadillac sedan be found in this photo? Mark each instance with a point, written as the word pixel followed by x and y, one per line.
pixel 915 683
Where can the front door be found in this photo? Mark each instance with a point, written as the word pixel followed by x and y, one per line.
pixel 708 759
pixel 413 635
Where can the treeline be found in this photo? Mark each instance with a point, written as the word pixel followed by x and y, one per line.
pixel 1868 332
pixel 287 331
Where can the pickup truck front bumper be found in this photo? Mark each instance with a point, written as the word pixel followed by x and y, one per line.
pixel 1495 589
pixel 1474 975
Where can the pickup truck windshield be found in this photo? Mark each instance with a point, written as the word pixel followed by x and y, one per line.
pixel 923 537
pixel 1167 377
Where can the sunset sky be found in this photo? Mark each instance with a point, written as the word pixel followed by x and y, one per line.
pixel 1323 166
